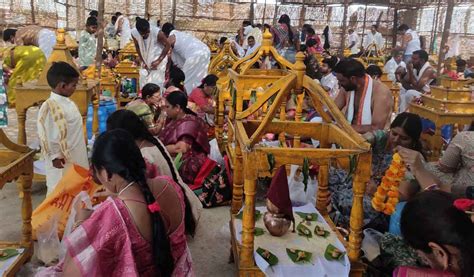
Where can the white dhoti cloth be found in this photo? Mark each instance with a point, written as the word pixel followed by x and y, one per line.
pixel 192 56
pixel 151 50
pixel 46 41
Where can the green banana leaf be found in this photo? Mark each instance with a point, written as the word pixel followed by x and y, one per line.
pixel 178 161
pixel 333 254
pixel 321 232
pixel 258 215
pixel 268 256
pixel 6 254
pixel 308 216
pixel 299 256
pixel 304 231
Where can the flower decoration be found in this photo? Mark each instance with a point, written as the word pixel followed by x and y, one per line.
pixel 386 197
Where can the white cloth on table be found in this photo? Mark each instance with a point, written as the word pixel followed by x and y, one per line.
pixel 125 31
pixel 391 66
pixel 151 50
pixel 50 137
pixel 192 56
pixel 319 266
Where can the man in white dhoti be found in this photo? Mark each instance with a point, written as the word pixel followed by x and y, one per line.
pixel 374 37
pixel 190 54
pixel 122 28
pixel 152 47
pixel 367 103
pixel 417 79
pixel 60 125
pixel 393 64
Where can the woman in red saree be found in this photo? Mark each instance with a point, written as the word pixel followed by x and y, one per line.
pixel 186 133
pixel 130 234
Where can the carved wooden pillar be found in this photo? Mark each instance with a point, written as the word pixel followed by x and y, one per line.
pixel 361 177
pixel 238 180
pixel 322 194
pixel 25 182
pixel 248 218
pixel 21 115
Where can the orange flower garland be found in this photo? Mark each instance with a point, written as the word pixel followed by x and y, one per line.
pixel 386 197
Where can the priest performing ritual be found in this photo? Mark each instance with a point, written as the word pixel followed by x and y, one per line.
pixel 152 47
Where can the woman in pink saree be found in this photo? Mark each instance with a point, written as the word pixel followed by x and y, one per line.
pixel 140 232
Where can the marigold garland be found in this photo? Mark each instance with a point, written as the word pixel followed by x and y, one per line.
pixel 386 197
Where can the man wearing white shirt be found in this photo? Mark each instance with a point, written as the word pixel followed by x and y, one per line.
pixel 353 39
pixel 374 37
pixel 395 62
pixel 252 46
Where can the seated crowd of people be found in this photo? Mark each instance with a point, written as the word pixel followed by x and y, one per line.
pixel 154 159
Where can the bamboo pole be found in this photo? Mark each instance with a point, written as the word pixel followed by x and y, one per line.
pixel 344 28
pixel 173 15
pixel 435 28
pixel 100 37
pixel 302 13
pixel 264 11
pixel 252 11
pixel 447 26
pixel 147 11
pixel 363 28
pixel 32 6
pixel 395 27
pixel 275 14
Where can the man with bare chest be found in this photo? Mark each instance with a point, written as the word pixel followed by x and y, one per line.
pixel 416 79
pixel 367 103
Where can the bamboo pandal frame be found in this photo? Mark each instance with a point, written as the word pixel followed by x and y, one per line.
pixel 250 159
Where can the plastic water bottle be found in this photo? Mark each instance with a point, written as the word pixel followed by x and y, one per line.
pixel 102 117
pixel 90 115
pixel 394 227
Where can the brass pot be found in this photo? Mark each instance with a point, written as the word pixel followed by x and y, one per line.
pixel 272 208
pixel 276 224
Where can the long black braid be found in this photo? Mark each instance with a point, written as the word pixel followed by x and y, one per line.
pixel 130 122
pixel 117 153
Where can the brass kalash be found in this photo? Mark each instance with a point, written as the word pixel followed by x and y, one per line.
pixel 36 92
pixel 127 69
pixel 267 115
pixel 452 102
